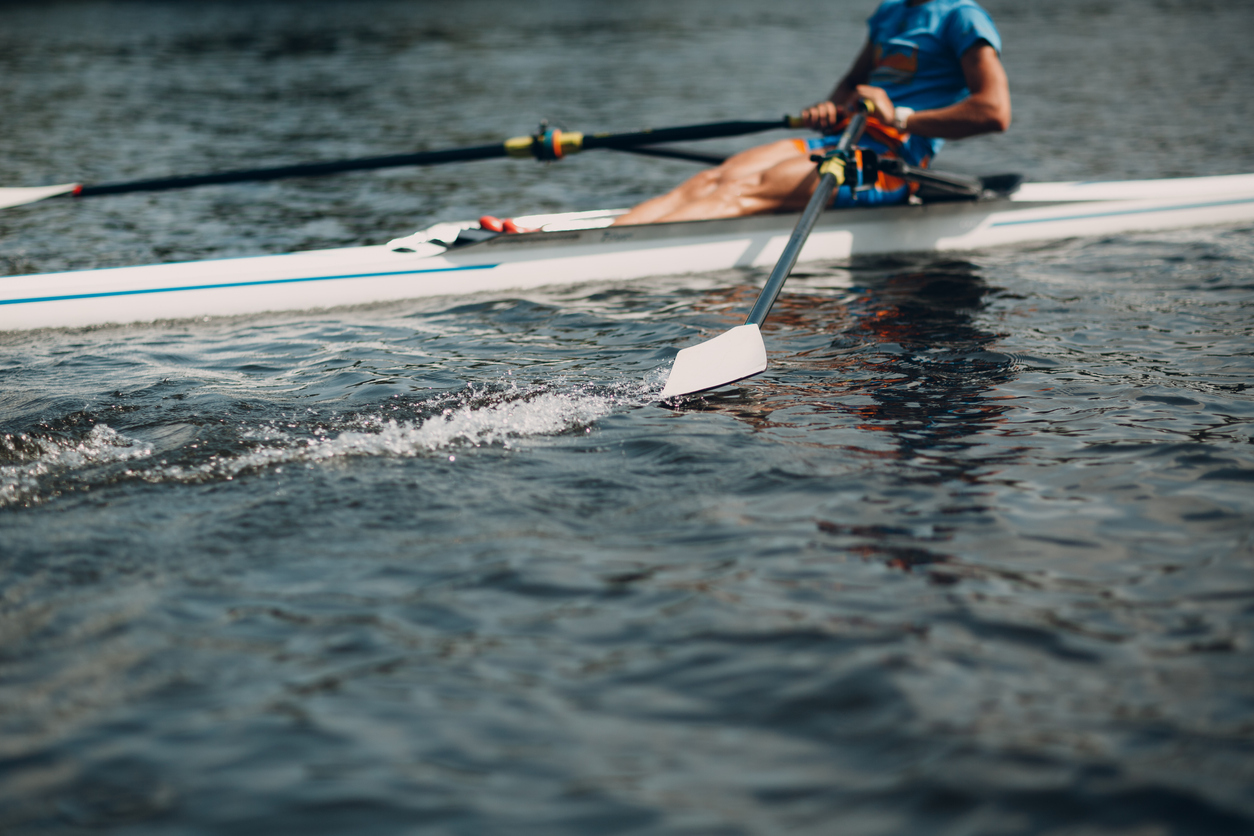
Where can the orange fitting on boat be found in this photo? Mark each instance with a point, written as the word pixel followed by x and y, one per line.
pixel 511 226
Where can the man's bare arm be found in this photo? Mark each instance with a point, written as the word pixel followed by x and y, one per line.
pixel 986 110
pixel 825 115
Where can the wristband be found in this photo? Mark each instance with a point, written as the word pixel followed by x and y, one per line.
pixel 901 115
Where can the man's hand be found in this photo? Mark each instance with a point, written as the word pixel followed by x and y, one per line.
pixel 824 117
pixel 884 110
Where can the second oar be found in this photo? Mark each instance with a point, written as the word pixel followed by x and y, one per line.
pixel 740 352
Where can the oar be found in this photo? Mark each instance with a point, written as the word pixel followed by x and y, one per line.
pixel 677 154
pixel 548 144
pixel 740 352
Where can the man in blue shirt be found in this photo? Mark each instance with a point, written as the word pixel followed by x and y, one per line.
pixel 932 70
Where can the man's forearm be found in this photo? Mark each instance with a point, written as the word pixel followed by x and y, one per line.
pixel 970 117
pixel 858 73
pixel 842 93
pixel 986 110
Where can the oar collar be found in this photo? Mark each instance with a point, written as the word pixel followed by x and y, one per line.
pixel 547 144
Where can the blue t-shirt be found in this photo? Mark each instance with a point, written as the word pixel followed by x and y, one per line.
pixel 918 55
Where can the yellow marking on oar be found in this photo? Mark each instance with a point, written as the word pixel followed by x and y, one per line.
pixel 519 146
pixel 571 142
pixel 559 144
pixel 834 166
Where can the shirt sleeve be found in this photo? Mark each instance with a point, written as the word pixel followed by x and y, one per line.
pixel 877 17
pixel 969 24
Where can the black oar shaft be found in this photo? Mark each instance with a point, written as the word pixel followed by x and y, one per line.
pixel 792 250
pixel 677 154
pixel 770 292
pixel 528 146
pixel 453 155
pixel 710 130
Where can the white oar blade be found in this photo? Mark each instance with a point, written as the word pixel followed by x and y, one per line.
pixel 18 196
pixel 731 356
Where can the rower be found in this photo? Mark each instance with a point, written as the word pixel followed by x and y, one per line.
pixel 931 70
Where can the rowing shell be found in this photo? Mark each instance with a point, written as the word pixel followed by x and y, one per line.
pixel 581 246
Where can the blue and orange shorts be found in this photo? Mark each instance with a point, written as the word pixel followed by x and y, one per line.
pixel 886 190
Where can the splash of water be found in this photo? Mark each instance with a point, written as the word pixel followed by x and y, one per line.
pixel 503 421
pixel 39 458
pixel 473 418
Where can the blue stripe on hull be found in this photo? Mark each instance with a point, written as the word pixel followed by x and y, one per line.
pixel 1119 212
pixel 74 296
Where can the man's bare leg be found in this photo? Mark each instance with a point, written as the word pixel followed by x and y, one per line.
pixel 763 179
pixel 783 187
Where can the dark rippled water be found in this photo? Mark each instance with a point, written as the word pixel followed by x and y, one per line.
pixel 973 557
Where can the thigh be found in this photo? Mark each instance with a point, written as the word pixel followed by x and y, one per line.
pixel 785 186
pixel 760 158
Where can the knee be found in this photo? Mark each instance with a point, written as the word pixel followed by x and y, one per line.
pixel 704 182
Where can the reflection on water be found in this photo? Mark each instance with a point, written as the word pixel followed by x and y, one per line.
pixel 926 371
pixel 911 362
pixel 926 365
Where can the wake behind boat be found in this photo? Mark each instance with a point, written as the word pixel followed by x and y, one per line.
pixel 580 247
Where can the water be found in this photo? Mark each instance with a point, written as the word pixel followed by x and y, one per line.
pixel 973 557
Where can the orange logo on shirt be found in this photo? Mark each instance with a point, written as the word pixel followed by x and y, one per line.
pixel 894 64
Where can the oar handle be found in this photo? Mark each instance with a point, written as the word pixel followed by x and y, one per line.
pixel 832 175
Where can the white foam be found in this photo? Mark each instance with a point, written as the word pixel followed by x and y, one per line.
pixel 49 456
pixel 470 419
pixel 504 420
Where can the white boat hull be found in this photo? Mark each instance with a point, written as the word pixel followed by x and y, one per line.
pixel 592 252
